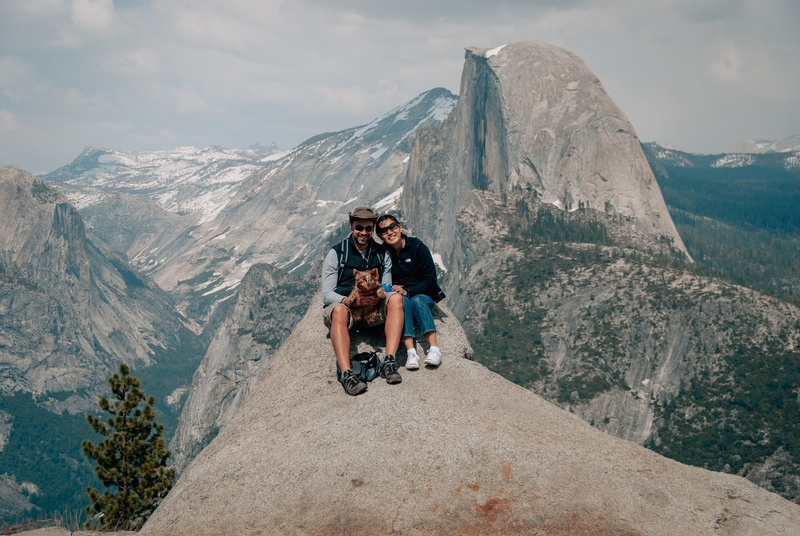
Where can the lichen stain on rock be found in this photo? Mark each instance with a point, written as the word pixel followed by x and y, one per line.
pixel 506 470
pixel 493 507
pixel 474 487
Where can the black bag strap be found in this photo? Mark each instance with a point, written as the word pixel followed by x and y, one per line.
pixel 344 255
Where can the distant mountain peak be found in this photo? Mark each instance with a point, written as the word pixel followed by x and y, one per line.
pixel 531 118
pixel 264 149
pixel 786 145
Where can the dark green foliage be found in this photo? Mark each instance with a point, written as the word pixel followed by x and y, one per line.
pixel 586 386
pixel 173 368
pixel 547 225
pixel 131 459
pixel 43 448
pixel 511 343
pixel 739 412
pixel 755 258
pixel 753 196
pixel 42 192
pixel 742 224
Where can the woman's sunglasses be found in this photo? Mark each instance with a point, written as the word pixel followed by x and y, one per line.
pixel 391 227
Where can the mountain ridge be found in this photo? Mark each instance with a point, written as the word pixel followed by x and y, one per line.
pixel 790 144
pixel 202 257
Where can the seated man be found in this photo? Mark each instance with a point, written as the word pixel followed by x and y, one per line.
pixel 360 252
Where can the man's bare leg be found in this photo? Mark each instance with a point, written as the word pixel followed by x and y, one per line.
pixel 394 323
pixel 340 336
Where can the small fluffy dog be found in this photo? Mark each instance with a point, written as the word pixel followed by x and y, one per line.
pixel 366 283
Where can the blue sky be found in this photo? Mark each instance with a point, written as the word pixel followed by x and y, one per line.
pixel 700 75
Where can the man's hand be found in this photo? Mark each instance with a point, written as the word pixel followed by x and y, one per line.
pixel 400 290
pixel 366 300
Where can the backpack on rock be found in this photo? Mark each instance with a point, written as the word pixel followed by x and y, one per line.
pixel 366 366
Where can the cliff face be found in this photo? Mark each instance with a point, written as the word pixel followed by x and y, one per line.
pixel 457 450
pixel 71 311
pixel 532 117
pixel 268 306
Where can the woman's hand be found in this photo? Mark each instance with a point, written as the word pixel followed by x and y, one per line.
pixel 400 290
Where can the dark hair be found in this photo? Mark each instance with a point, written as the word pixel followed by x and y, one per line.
pixel 384 218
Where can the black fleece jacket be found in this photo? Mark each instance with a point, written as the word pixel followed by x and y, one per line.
pixel 414 270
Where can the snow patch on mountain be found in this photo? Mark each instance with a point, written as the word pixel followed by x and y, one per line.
pixel 171 178
pixel 390 201
pixel 81 199
pixel 379 150
pixel 437 260
pixel 494 51
pixel 733 161
pixel 441 108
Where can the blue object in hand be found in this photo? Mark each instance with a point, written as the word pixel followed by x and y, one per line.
pixel 387 287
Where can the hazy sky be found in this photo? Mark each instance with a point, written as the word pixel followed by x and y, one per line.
pixel 700 75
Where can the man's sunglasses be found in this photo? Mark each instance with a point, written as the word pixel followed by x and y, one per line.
pixel 367 228
pixel 391 227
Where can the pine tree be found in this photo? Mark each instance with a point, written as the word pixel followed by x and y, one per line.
pixel 131 460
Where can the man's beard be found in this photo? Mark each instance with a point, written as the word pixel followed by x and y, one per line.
pixel 362 240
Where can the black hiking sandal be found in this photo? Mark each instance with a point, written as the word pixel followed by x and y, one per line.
pixel 389 370
pixel 352 385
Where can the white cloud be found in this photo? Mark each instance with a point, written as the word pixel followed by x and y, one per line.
pixel 698 74
pixel 138 62
pixel 15 76
pixel 728 63
pixel 187 102
pixel 8 121
pixel 21 86
pixel 92 16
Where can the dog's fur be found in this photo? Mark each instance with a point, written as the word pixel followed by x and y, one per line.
pixel 366 283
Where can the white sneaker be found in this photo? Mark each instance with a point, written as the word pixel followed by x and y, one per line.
pixel 412 363
pixel 434 357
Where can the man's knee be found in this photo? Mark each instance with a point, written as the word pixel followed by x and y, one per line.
pixel 340 315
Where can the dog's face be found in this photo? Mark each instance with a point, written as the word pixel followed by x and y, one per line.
pixel 366 281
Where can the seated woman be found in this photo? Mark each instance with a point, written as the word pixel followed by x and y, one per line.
pixel 413 277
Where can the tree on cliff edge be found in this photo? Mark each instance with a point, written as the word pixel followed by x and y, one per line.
pixel 131 459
